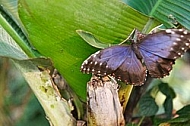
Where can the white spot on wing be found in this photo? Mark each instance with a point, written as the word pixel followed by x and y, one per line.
pixel 172 32
pixel 82 67
pixel 178 39
pixel 174 43
pixel 94 55
pixel 85 62
pixel 187 44
pixel 97 52
pixel 185 32
pixel 168 30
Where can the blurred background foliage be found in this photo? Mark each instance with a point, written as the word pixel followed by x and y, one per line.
pixel 18 104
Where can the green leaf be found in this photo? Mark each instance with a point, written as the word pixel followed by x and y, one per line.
pixel 179 121
pixel 182 120
pixel 166 90
pixel 92 40
pixel 147 106
pixel 15 32
pixel 8 48
pixel 168 12
pixel 168 107
pixel 52 25
pixel 11 7
pixel 184 111
pixel 170 94
pixel 141 5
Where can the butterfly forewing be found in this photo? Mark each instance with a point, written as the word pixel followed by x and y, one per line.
pixel 170 43
pixel 119 61
pixel 105 61
pixel 160 50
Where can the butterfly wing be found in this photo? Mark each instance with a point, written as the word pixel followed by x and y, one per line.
pixel 157 66
pixel 170 43
pixel 131 71
pixel 119 61
pixel 160 50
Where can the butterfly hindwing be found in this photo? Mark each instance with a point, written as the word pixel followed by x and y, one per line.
pixel 157 66
pixel 131 71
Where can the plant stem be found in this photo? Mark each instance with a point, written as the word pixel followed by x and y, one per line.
pixel 141 121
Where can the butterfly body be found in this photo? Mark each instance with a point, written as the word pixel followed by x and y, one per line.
pixel 155 53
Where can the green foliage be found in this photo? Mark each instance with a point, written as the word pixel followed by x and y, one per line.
pixel 184 111
pixel 131 124
pixel 168 103
pixel 19 106
pixel 168 12
pixel 147 106
pixel 183 118
pixel 143 6
pixel 92 40
pixel 35 114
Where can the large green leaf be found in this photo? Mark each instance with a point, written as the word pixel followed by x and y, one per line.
pixel 168 12
pixel 173 11
pixel 52 25
pixel 142 5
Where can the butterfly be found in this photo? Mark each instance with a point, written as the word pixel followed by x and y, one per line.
pixel 152 54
